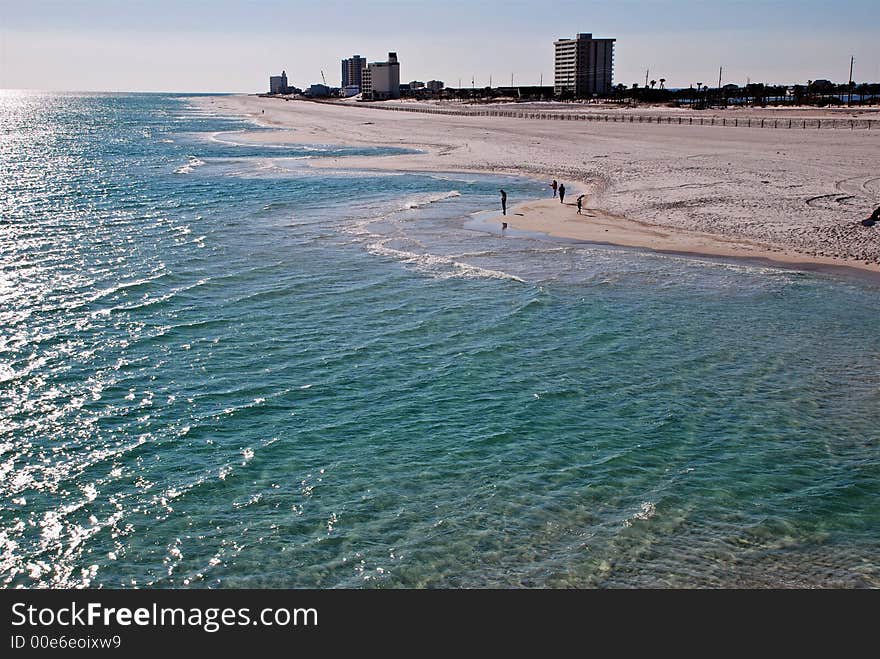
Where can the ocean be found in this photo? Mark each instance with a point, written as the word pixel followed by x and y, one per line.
pixel 222 368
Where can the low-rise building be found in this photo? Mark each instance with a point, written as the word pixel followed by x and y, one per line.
pixel 319 91
pixel 381 80
pixel 278 84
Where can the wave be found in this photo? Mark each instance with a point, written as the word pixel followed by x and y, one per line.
pixel 148 301
pixel 427 200
pixel 190 166
pixel 450 177
pixel 440 267
pixel 215 137
pixel 359 227
pixel 129 287
pixel 646 511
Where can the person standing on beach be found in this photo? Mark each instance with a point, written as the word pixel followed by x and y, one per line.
pixel 503 202
pixel 553 185
pixel 561 192
pixel 580 201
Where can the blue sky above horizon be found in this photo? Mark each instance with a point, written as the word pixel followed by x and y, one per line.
pixel 226 45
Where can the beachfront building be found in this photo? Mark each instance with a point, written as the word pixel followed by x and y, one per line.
pixel 434 85
pixel 381 80
pixel 352 70
pixel 584 66
pixel 319 91
pixel 366 84
pixel 278 84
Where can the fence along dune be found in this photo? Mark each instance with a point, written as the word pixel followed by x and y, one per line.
pixel 788 123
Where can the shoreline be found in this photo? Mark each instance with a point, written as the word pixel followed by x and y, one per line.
pixel 596 229
pixel 466 144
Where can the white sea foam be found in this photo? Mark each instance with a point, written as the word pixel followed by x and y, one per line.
pixel 190 166
pixel 215 137
pixel 451 177
pixel 427 200
pixel 360 227
pixel 435 265
pixel 440 267
pixel 646 512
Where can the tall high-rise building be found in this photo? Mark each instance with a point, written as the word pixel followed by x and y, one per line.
pixel 352 71
pixel 381 80
pixel 584 66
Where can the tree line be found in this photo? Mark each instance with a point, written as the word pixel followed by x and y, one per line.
pixel 820 93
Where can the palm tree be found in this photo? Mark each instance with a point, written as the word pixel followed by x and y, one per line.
pixel 653 82
pixel 662 83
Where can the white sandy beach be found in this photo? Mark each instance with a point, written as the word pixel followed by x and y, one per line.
pixel 793 197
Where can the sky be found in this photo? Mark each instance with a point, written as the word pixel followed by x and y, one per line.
pixel 234 45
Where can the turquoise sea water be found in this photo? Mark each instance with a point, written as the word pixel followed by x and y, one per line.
pixel 219 368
